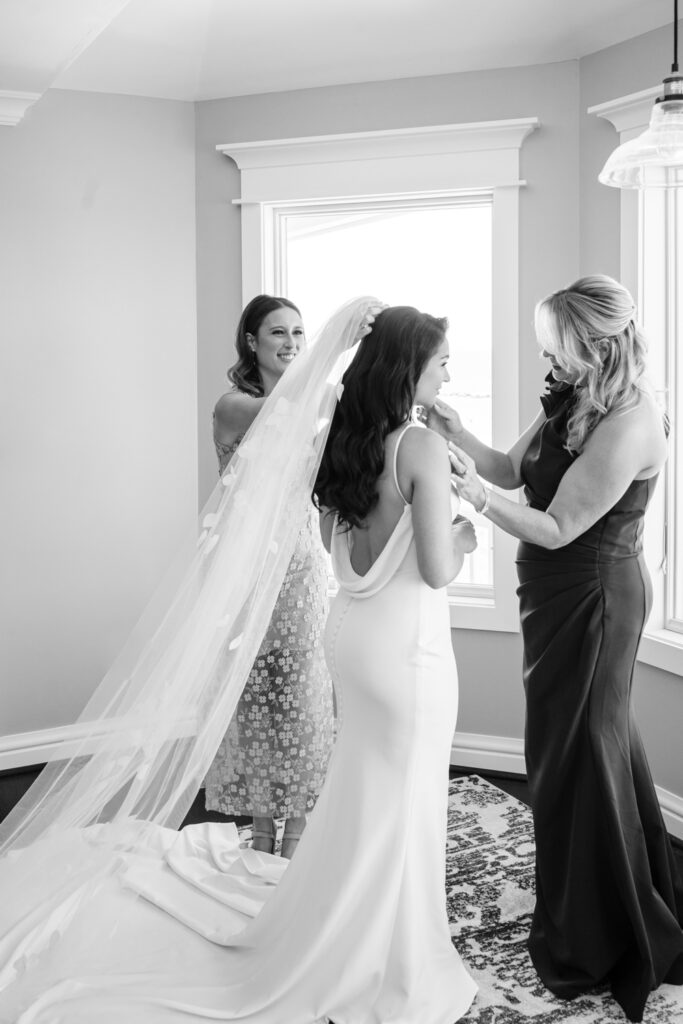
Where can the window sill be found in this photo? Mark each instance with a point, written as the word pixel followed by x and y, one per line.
pixel 662 648
pixel 473 613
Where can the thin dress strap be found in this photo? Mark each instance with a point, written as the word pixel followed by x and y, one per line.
pixel 398 441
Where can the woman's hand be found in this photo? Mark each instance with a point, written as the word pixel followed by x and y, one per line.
pixel 464 535
pixel 468 484
pixel 445 421
pixel 369 319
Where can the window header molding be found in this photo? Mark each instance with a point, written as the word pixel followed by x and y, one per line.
pixel 628 114
pixel 387 143
pixel 439 158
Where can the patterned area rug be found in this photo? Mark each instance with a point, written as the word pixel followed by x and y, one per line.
pixel 490 885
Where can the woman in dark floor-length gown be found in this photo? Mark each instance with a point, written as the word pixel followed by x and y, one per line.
pixel 609 903
pixel 601 842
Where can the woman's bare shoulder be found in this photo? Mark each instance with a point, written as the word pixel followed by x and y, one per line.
pixel 232 399
pixel 420 443
pixel 422 458
pixel 644 413
pixel 635 436
pixel 234 411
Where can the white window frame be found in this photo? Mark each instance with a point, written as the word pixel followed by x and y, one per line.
pixel 646 242
pixel 400 166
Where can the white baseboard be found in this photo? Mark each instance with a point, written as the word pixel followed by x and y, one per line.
pixel 489 753
pixel 60 742
pixel 469 750
pixel 506 754
pixel 20 749
pixel 672 811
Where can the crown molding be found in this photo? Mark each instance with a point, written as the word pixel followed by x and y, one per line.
pixel 425 141
pixel 433 159
pixel 628 113
pixel 13 105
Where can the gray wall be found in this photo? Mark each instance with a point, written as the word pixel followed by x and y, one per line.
pixel 98 328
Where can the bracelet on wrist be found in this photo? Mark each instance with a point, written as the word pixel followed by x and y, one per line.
pixel 487 501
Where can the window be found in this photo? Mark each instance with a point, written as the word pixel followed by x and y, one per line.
pixel 435 255
pixel 426 217
pixel 660 280
pixel 675 489
pixel 652 269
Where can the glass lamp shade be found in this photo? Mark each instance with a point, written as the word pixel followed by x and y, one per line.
pixel 653 159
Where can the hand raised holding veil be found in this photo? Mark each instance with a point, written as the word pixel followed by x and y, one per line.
pixel 151 728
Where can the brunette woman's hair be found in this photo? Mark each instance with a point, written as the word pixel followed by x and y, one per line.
pixel 378 395
pixel 244 373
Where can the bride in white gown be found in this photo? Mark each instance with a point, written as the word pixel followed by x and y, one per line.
pixel 354 929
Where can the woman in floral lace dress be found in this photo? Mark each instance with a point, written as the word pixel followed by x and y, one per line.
pixel 272 761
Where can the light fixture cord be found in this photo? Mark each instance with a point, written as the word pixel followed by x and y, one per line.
pixel 674 66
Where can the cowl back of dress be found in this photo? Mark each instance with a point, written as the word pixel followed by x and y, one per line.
pixel 383 569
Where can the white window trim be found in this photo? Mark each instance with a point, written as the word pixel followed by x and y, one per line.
pixel 630 115
pixel 434 162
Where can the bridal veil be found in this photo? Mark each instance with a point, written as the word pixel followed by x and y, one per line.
pixel 148 735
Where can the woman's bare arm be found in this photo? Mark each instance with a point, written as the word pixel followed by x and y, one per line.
pixel 622 448
pixel 423 459
pixel 500 468
pixel 326 521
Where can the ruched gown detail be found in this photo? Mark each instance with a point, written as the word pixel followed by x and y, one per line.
pixel 355 929
pixel 609 903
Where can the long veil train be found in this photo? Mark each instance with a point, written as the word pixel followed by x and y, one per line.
pixel 149 733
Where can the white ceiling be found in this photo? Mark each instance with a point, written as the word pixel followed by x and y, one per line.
pixel 205 49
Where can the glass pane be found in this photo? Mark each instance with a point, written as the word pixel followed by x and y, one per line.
pixel 435 257
pixel 676 410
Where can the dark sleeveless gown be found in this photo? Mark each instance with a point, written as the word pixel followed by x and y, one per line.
pixel 609 902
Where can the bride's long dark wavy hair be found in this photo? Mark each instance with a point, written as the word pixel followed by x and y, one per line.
pixel 379 393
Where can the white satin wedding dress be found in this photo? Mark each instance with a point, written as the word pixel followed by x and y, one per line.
pixel 354 930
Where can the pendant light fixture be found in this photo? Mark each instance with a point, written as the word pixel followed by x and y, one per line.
pixel 655 158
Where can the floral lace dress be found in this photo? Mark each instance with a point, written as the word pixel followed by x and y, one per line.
pixel 273 759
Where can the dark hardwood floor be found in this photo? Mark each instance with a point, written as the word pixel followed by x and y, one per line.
pixel 198 813
pixel 13 784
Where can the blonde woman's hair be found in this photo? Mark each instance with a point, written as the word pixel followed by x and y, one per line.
pixel 589 329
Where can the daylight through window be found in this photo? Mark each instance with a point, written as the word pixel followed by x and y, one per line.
pixel 435 255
